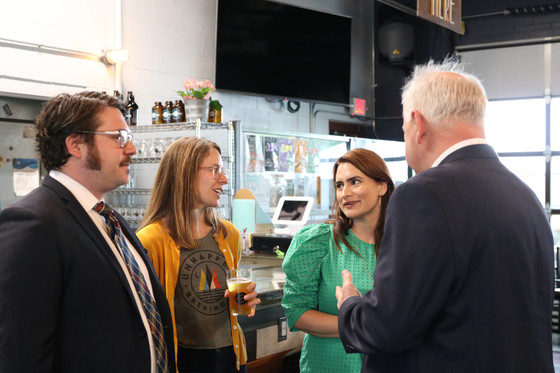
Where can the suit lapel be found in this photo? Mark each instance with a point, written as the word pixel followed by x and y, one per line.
pixel 84 220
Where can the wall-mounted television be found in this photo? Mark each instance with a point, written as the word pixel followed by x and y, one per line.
pixel 273 49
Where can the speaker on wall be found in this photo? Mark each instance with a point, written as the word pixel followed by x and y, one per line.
pixel 396 42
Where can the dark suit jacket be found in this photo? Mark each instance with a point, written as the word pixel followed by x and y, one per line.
pixel 65 304
pixel 464 280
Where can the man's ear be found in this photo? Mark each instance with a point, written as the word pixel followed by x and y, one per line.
pixel 75 145
pixel 421 126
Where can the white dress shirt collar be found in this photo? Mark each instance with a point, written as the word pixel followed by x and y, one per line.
pixel 82 194
pixel 459 145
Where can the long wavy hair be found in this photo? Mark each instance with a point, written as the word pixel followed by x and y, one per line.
pixel 174 193
pixel 374 167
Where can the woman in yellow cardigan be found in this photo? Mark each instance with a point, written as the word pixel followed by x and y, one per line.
pixel 191 249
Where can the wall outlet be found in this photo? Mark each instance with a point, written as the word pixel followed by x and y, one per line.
pixel 282 328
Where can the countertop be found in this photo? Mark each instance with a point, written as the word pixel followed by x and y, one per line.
pixel 268 274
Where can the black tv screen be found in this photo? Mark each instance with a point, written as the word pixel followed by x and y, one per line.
pixel 272 49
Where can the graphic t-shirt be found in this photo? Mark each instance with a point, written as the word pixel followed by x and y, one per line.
pixel 201 311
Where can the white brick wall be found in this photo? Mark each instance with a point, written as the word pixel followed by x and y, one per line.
pixel 87 26
pixel 167 39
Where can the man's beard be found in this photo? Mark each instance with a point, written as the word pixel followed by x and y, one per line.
pixel 93 162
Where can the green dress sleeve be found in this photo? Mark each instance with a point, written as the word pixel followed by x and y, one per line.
pixel 302 266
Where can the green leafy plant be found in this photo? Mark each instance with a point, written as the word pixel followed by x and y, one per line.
pixel 215 104
pixel 196 89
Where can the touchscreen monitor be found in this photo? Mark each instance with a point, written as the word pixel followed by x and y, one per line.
pixel 293 211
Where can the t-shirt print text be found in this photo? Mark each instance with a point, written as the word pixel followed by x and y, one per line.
pixel 202 281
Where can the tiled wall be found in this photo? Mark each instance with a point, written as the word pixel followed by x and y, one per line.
pixel 167 39
pixel 180 42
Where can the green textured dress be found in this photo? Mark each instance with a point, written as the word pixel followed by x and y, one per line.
pixel 313 267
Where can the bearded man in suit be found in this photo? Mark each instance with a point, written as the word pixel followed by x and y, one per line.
pixel 68 300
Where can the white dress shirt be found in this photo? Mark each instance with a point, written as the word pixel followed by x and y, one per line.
pixel 88 201
pixel 459 145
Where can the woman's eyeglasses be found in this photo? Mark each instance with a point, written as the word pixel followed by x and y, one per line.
pixel 217 171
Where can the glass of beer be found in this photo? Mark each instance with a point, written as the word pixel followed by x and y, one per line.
pixel 237 281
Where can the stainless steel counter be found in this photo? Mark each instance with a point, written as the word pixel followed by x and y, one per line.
pixel 267 271
pixel 265 333
pixel 268 274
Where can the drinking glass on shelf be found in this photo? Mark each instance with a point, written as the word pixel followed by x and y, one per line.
pixel 158 147
pixel 131 184
pixel 140 148
pixel 134 212
pixel 141 211
pixel 150 151
pixel 124 211
pixel 167 143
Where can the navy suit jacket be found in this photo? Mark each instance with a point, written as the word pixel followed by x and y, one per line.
pixel 464 280
pixel 65 303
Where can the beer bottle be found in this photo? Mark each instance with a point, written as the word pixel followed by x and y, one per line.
pixel 181 116
pixel 215 112
pixel 118 95
pixel 175 112
pixel 168 112
pixel 131 110
pixel 157 113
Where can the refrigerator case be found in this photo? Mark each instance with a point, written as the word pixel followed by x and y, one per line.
pixel 273 165
pixel 276 164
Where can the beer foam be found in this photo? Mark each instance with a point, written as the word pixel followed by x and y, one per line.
pixel 238 280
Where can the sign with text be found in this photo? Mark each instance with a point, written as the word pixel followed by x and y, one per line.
pixel 359 107
pixel 446 13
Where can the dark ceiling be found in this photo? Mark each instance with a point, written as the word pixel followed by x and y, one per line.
pixel 488 24
pixel 475 8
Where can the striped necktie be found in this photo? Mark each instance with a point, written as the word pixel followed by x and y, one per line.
pixel 150 308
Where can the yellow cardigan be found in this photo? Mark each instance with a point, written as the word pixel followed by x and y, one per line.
pixel 165 255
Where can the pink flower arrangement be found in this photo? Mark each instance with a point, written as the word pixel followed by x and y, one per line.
pixel 196 89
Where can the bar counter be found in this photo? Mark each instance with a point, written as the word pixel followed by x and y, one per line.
pixel 268 274
pixel 266 333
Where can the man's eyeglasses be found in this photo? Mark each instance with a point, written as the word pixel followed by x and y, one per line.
pixel 124 136
pixel 217 171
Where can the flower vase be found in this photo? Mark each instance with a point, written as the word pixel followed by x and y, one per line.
pixel 196 109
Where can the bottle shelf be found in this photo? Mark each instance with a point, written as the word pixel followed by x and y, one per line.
pixel 138 160
pixel 135 191
pixel 151 142
pixel 142 191
pixel 177 127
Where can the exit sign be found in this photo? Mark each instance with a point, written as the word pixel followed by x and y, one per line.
pixel 358 107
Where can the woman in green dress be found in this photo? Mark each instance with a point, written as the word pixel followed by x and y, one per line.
pixel 318 254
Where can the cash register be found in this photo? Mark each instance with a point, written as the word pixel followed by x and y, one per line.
pixel 291 214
